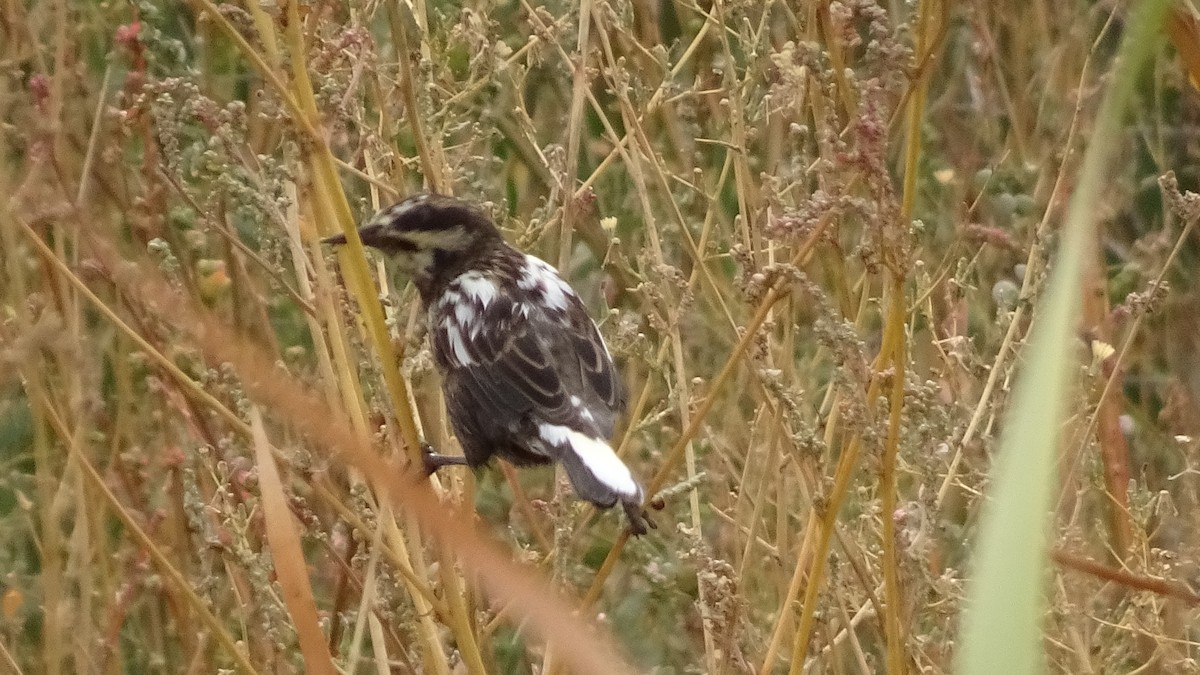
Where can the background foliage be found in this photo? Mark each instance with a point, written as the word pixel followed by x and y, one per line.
pixel 815 236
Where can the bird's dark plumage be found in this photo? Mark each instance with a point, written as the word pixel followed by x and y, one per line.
pixel 525 372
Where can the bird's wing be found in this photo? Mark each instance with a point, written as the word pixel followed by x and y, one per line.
pixel 508 364
pixel 599 377
pixel 529 378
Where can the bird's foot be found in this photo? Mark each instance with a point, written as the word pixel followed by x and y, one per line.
pixel 639 521
pixel 434 461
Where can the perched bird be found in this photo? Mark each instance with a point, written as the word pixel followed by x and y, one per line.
pixel 525 372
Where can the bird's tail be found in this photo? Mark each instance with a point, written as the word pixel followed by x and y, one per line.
pixel 596 473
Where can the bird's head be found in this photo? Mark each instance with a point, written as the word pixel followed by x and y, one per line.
pixel 429 238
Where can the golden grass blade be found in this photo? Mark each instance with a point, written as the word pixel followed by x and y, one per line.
pixel 288 556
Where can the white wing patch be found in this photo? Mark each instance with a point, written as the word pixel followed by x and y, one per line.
pixel 537 274
pixel 461 309
pixel 459 346
pixel 582 410
pixel 596 455
pixel 479 287
pixel 465 314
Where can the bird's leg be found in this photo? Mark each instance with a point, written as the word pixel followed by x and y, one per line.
pixel 639 523
pixel 434 461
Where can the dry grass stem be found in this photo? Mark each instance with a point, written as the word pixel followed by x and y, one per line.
pixel 815 237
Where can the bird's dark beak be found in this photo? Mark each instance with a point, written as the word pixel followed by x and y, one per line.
pixel 369 234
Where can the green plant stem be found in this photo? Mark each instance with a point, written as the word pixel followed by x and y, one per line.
pixel 1002 625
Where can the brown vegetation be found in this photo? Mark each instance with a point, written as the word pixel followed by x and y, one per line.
pixel 814 235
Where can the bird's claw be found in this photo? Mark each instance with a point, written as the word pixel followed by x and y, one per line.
pixel 433 461
pixel 639 521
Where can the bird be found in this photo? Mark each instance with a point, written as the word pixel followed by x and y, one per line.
pixel 525 373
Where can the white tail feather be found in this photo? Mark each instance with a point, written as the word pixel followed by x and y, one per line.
pixel 597 456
